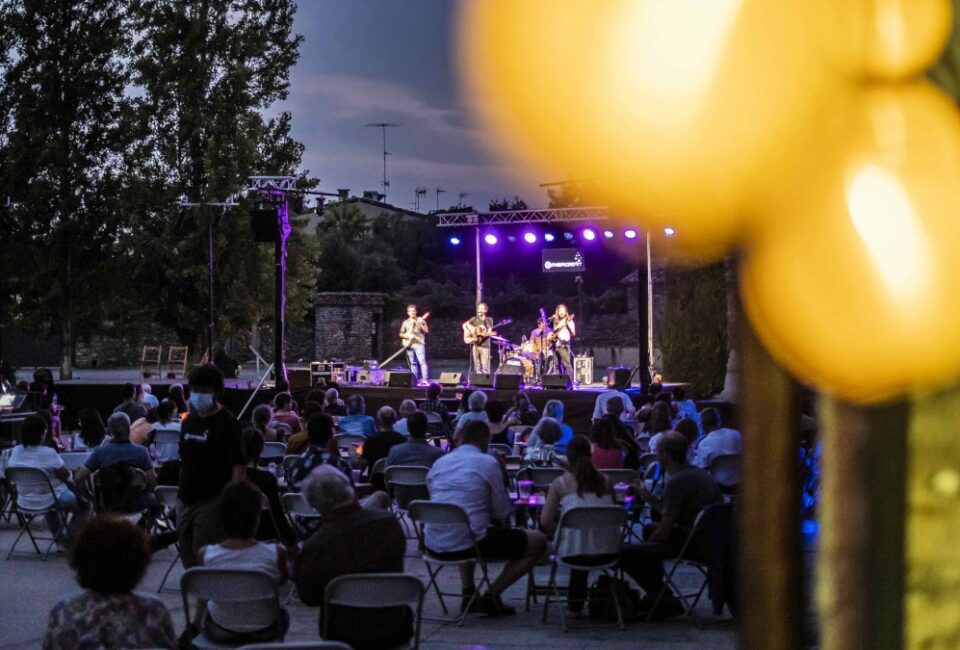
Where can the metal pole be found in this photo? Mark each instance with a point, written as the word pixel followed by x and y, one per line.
pixel 384 129
pixel 280 294
pixel 212 310
pixel 649 303
pixel 479 277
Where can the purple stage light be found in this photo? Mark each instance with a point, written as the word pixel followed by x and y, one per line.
pixel 530 238
pixel 589 235
pixel 455 241
pixel 568 236
pixel 490 238
pixel 608 234
pixel 630 233
pixel 511 239
pixel 548 237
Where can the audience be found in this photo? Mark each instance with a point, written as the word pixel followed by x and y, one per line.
pixel 474 480
pixel 378 445
pixel 477 404
pixel 176 394
pixel 581 485
pixel 717 441
pixel 211 456
pixel 332 404
pixel 109 459
pixel 351 539
pixel 433 404
pixel 416 450
pixel 356 421
pixel 322 450
pixel 261 418
pixel 283 412
pixel 686 408
pixel 623 435
pixel 245 621
pixel 607 451
pixel 276 525
pixel 92 430
pixel 522 413
pixel 168 423
pixel 616 390
pixel 540 450
pixel 407 407
pixel 132 405
pixel 110 558
pixel 147 397
pixel 554 409
pixel 660 422
pixel 688 490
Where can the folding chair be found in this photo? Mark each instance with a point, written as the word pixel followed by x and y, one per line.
pixel 36 481
pixel 166 443
pixel 349 440
pixel 226 586
pixel 167 496
pixel 177 361
pixel 447 514
pixel 283 429
pixel 287 463
pixel 378 468
pixel 298 645
pixel 617 476
pixel 646 460
pixel 506 450
pixel 702 525
pixel 298 510
pixel 375 590
pixel 725 470
pixel 606 522
pixel 74 460
pixel 138 482
pixel 542 477
pixel 406 483
pixel 435 425
pixel 273 452
pixel 150 361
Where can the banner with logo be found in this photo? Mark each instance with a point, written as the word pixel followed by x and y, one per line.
pixel 563 260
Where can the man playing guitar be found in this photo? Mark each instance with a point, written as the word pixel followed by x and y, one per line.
pixel 413 333
pixel 564 329
pixel 477 332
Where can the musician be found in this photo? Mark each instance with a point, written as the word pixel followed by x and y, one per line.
pixel 564 329
pixel 413 333
pixel 540 337
pixel 480 348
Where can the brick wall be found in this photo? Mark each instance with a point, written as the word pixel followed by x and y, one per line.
pixel 348 326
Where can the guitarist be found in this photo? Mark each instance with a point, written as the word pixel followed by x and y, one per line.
pixel 413 333
pixel 477 332
pixel 564 329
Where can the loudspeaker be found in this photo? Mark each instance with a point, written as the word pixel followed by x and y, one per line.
pixel 451 379
pixel 556 381
pixel 583 370
pixel 400 379
pixel 299 378
pixel 618 376
pixel 264 224
pixel 508 380
pixel 481 380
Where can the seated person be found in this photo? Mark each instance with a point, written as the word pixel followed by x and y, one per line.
pixel 244 622
pixel 92 430
pixel 688 490
pixel 168 421
pixel 417 450
pixel 148 398
pixel 718 440
pixel 332 404
pixel 581 485
pixel 521 413
pixel 608 453
pixel 554 409
pixel 433 404
pixel 261 418
pixel 356 422
pixel 624 436
pixel 132 404
pixel 283 412
pixel 351 539
pixel 110 557
pixel 322 450
pixel 108 459
pixel 600 406
pixel 276 525
pixel 378 445
pixel 540 451
pixel 407 407
pixel 297 443
pixel 477 410
pixel 474 480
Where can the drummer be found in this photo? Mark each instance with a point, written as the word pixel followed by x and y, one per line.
pixel 539 335
pixel 541 348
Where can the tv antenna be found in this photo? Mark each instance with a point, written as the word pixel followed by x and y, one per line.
pixel 383 126
pixel 439 191
pixel 417 193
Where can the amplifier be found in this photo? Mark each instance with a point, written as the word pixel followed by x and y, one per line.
pixel 583 370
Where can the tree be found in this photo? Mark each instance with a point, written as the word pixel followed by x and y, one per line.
pixel 207 71
pixel 65 127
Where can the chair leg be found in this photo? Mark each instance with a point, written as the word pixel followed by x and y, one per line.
pixel 616 602
pixel 433 582
pixel 551 587
pixel 24 529
pixel 169 569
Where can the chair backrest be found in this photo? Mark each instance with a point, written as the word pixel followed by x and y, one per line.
pixel 616 476
pixel 433 417
pixel 167 443
pixel 725 469
pixel 646 460
pixel 542 477
pixel 297 645
pixel 379 467
pixel 32 479
pixel 167 495
pixel 705 519
pixel 283 429
pixel 228 586
pixel 273 450
pixel 503 449
pixel 440 514
pixel 405 475
pixel 118 497
pixel 347 440
pixel 375 590
pixel 288 462
pixel 297 505
pixel 605 522
pixel 74 460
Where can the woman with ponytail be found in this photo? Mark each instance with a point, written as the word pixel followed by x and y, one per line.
pixel 581 485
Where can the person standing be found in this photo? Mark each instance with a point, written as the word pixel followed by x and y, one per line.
pixel 211 456
pixel 477 332
pixel 413 333
pixel 564 329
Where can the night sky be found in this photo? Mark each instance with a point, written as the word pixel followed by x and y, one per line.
pixel 391 61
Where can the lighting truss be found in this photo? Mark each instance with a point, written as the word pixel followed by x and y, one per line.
pixel 515 217
pixel 282 183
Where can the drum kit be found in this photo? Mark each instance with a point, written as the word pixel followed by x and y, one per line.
pixel 533 356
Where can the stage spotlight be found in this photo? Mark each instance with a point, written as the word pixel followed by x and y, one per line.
pixel 490 238
pixel 669 231
pixel 630 233
pixel 548 237
pixel 530 238
pixel 568 236
pixel 589 235
pixel 511 238
pixel 608 234
pixel 455 241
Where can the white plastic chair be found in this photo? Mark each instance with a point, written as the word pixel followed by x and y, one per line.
pixel 287 463
pixel 283 429
pixel 723 467
pixel 506 450
pixel 74 460
pixel 406 483
pixel 273 451
pixel 297 508
pixel 227 586
pixel 167 496
pixel 542 477
pixel 375 590
pixel 616 476
pixel 35 480
pixel 602 520
pixel 166 442
pixel 447 514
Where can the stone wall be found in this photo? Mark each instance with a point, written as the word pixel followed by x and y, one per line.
pixel 348 326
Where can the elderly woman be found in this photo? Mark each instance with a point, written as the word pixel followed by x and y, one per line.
pixel 477 404
pixel 407 408
pixel 110 558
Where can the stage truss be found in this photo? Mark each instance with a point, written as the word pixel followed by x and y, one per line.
pixel 520 217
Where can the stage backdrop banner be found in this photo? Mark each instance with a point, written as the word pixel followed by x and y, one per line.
pixel 563 260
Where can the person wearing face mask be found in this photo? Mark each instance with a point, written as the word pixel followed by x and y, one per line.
pixel 211 456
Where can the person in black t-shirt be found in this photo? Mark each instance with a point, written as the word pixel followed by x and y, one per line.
pixel 378 445
pixel 211 456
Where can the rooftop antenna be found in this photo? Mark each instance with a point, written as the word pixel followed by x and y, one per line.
pixel 439 191
pixel 460 197
pixel 383 126
pixel 420 191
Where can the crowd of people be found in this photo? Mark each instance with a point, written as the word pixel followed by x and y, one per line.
pixel 229 512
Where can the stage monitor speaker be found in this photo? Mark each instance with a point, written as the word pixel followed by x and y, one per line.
pixel 401 379
pixel 481 380
pixel 583 370
pixel 264 224
pixel 556 381
pixel 451 379
pixel 508 381
pixel 299 378
pixel 618 376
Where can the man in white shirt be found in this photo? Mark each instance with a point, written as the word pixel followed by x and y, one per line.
pixel 718 441
pixel 475 481
pixel 600 407
pixel 407 408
